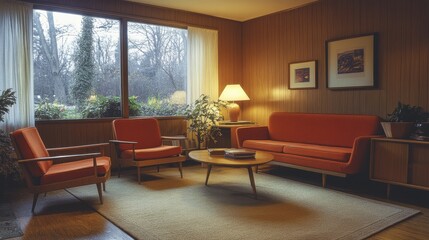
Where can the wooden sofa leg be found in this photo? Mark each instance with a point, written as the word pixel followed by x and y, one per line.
pixel 119 170
pixel 138 174
pixel 35 196
pixel 100 193
pixel 180 169
pixel 323 180
pixel 157 168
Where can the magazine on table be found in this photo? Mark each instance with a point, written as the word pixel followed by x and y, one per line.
pixel 239 153
pixel 236 153
pixel 216 151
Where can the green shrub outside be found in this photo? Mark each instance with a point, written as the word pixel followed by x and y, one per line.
pixel 101 107
pixel 162 107
pixel 46 110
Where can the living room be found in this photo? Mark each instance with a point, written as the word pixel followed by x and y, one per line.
pixel 256 53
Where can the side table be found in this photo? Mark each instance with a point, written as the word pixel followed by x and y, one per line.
pixel 228 139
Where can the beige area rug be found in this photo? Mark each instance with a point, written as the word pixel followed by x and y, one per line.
pixel 167 207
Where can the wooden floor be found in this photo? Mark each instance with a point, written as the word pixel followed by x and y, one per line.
pixel 60 215
pixel 416 227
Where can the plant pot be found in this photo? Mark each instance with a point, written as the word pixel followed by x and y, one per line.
pixel 397 129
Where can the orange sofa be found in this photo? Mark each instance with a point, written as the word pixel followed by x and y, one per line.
pixel 331 144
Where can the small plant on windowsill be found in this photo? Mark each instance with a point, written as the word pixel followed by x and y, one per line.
pixel 204 115
pixel 400 123
pixel 8 165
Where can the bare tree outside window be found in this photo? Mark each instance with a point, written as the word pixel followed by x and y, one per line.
pixel 157 68
pixel 77 67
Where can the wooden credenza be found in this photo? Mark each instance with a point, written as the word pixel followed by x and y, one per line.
pixel 400 162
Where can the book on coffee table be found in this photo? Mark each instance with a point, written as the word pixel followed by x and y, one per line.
pixel 216 151
pixel 239 153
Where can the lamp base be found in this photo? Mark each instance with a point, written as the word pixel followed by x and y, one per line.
pixel 234 112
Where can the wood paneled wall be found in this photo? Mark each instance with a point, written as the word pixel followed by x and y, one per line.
pixel 257 54
pixel 271 42
pixel 79 132
pixel 63 133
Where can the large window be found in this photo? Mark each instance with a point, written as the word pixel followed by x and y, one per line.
pixel 76 66
pixel 156 69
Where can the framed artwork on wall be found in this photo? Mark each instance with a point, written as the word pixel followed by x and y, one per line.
pixel 350 62
pixel 303 75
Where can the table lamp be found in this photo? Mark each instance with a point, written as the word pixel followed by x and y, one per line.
pixel 233 93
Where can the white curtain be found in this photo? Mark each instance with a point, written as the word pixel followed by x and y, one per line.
pixel 16 61
pixel 202 63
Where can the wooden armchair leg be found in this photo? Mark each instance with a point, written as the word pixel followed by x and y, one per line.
pixel 157 168
pixel 34 201
pixel 119 170
pixel 180 170
pixel 100 193
pixel 104 186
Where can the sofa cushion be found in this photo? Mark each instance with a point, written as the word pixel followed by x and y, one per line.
pixel 318 151
pixel 153 153
pixel 321 129
pixel 76 169
pixel 265 145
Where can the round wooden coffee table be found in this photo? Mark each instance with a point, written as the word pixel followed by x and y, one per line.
pixel 203 156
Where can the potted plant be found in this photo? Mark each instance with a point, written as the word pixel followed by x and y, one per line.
pixel 400 123
pixel 8 165
pixel 204 115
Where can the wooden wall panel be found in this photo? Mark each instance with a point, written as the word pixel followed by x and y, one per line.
pixel 257 54
pixel 57 133
pixel 77 132
pixel 271 42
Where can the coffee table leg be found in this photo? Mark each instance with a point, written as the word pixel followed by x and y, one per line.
pixel 209 168
pixel 252 180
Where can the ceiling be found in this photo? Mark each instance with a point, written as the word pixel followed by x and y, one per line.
pixel 239 10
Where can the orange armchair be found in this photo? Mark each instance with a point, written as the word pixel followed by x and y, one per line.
pixel 138 142
pixel 44 173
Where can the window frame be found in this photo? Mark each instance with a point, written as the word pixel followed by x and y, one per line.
pixel 123 41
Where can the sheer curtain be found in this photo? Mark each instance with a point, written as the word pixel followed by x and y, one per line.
pixel 16 61
pixel 202 63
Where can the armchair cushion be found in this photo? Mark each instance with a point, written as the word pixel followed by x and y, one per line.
pixel 152 153
pixel 144 131
pixel 31 146
pixel 76 169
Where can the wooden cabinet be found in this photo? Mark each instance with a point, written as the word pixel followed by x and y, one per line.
pixel 400 162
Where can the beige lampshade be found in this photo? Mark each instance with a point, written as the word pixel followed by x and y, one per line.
pixel 233 92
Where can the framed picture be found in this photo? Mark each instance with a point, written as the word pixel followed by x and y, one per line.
pixel 350 62
pixel 303 75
